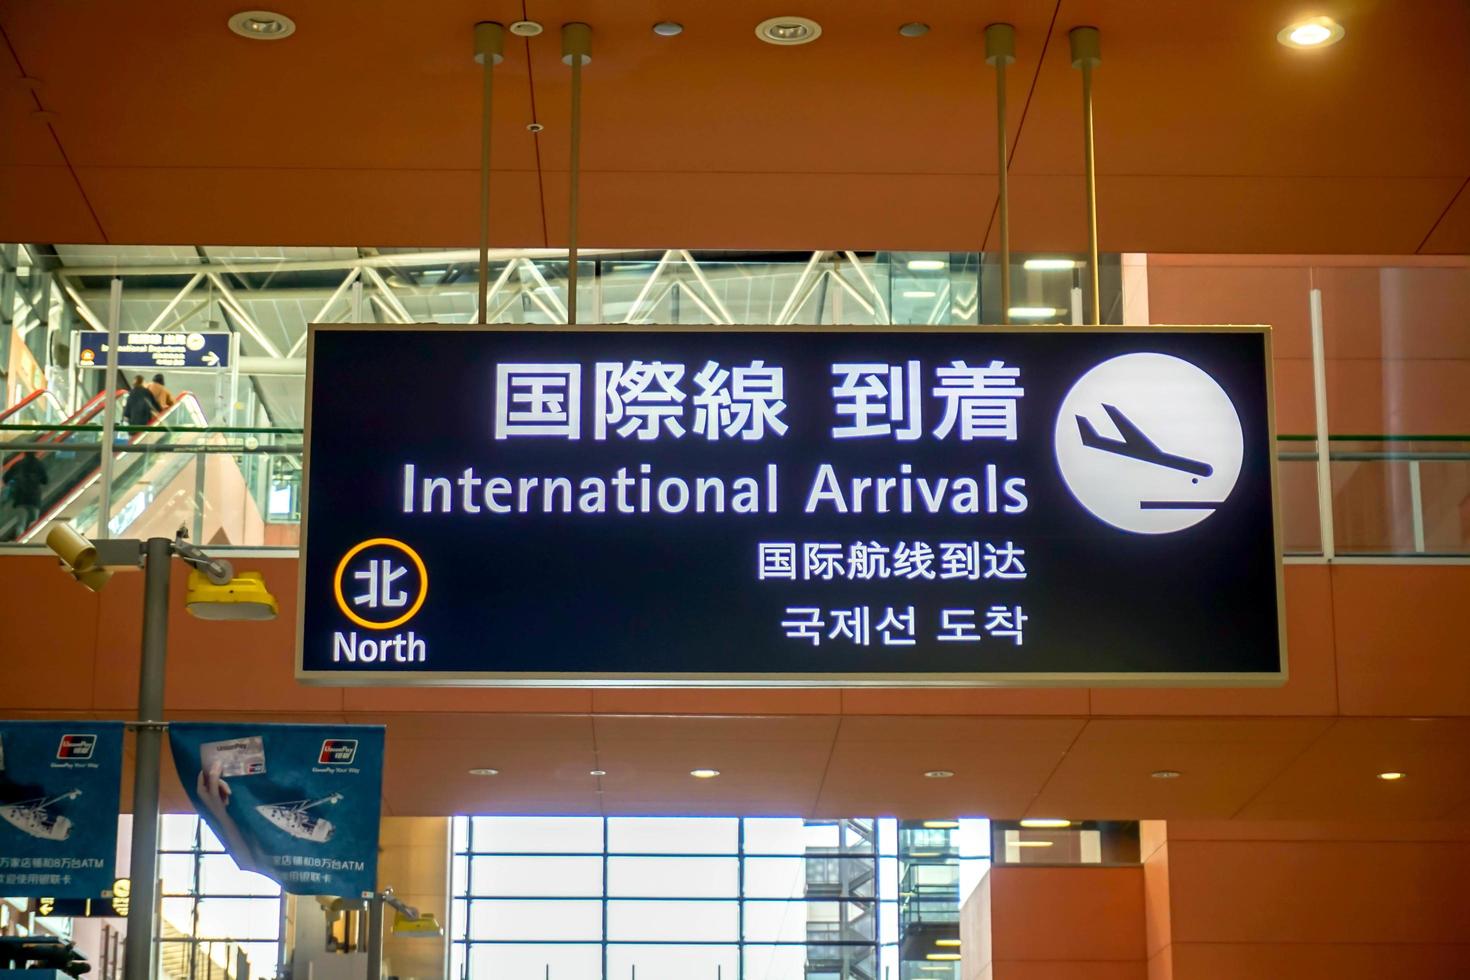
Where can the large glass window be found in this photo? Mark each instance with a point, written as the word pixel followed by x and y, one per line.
pixel 211 909
pixel 675 898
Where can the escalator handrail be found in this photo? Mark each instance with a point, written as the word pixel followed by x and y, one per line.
pixel 93 406
pixel 184 397
pixel 33 396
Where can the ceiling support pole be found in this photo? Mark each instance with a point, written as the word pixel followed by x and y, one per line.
pixel 576 50
pixel 1087 55
pixel 489 50
pixel 1000 50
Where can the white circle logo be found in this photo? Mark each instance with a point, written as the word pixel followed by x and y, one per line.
pixel 1149 443
pixel 194 341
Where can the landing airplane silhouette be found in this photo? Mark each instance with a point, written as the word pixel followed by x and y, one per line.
pixel 1136 445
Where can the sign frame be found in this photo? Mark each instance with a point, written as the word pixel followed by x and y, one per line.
pixel 101 363
pixel 797 679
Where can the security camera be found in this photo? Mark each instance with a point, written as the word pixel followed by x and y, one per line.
pixel 78 556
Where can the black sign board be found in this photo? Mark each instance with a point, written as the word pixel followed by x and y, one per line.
pixel 790 506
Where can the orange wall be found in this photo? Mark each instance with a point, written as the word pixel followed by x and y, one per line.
pixel 1039 923
pixel 1306 901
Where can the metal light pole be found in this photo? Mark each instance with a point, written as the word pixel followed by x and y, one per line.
pixel 138 958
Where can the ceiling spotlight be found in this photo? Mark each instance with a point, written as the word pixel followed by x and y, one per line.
pixel 262 25
pixel 1166 774
pixel 704 773
pixel 668 28
pixel 597 772
pixel 484 772
pixel 1033 312
pixel 1045 823
pixel 534 127
pixel 1316 32
pixel 938 774
pixel 1042 265
pixel 1390 777
pixel 914 29
pixel 526 28
pixel 926 265
pixel 788 30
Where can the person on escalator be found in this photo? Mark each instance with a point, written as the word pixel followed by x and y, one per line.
pixel 162 395
pixel 140 406
pixel 23 483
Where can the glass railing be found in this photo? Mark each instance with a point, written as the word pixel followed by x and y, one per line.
pixel 240 486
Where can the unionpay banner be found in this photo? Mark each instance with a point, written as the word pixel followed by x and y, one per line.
pixel 59 789
pixel 972 505
pixel 297 803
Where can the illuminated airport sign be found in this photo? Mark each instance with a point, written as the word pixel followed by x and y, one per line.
pixel 789 506
pixel 148 351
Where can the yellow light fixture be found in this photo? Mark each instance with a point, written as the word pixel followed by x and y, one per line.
pixel 244 597
pixel 924 854
pixel 1045 823
pixel 1314 32
pixel 1046 265
pixel 1390 777
pixel 1031 843
pixel 942 956
pixel 926 265
pixel 425 926
pixel 941 824
pixel 946 942
pixel 704 773
pixel 1033 312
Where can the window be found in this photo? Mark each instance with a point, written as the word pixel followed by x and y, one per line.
pixel 674 898
pixel 211 908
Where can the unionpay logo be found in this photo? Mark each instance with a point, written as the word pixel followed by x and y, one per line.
pixel 1149 443
pixel 338 752
pixel 76 747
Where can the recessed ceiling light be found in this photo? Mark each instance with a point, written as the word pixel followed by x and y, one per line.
pixel 262 25
pixel 1390 777
pixel 938 774
pixel 668 28
pixel 941 824
pixel 1166 774
pixel 1045 823
pixel 914 29
pixel 918 294
pixel 484 772
pixel 1032 312
pixel 946 942
pixel 597 772
pixel 526 28
pixel 1031 843
pixel 788 30
pixel 926 265
pixel 704 773
pixel 1315 32
pixel 1041 265
pixel 942 956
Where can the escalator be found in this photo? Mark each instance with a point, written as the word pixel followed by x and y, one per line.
pixel 63 469
pixel 69 493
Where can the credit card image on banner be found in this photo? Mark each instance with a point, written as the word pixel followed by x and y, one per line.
pixel 235 757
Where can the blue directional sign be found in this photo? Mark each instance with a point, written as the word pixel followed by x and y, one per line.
pixel 156 351
pixel 686 506
pixel 59 788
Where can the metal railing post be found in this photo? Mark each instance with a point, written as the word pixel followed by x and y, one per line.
pixel 109 410
pixel 1324 459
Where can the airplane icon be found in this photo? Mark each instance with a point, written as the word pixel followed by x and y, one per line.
pixel 1136 445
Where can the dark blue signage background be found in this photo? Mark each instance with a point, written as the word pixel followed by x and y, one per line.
pixel 59 788
pixel 156 350
pixel 1074 504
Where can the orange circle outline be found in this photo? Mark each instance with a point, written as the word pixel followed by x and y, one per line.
pixel 412 611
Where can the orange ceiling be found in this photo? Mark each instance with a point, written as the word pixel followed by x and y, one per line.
pixel 362 128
